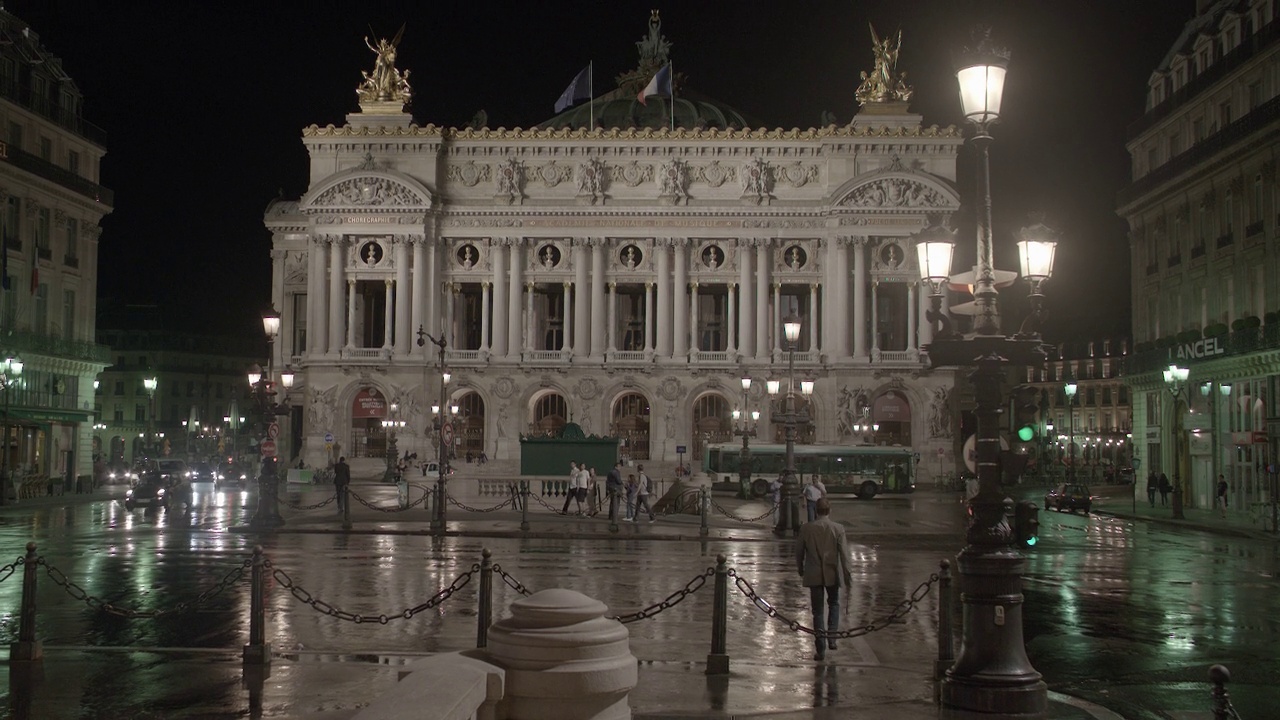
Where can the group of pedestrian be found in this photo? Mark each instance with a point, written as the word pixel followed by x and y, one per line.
pixel 634 492
pixel 1158 484
pixel 581 480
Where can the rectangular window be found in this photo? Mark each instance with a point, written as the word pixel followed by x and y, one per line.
pixel 1224 114
pixel 46 149
pixel 69 314
pixel 1197 129
pixel 191 388
pixel 73 239
pixel 41 319
pixel 1175 146
pixel 1255 94
pixel 139 412
pixel 119 387
pixel 73 161
pixel 299 324
pixel 15 134
pixel 117 415
pixel 42 229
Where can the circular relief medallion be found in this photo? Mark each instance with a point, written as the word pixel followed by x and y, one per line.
pixel 371 253
pixel 631 256
pixel 891 255
pixel 468 255
pixel 712 256
pixel 549 256
pixel 796 257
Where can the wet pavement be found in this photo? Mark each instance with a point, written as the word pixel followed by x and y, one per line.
pixel 1088 574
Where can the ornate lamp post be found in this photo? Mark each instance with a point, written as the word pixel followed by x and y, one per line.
pixel 438 517
pixel 746 429
pixel 267 514
pixel 150 384
pixel 392 425
pixel 789 517
pixel 1070 388
pixel 1175 379
pixel 10 371
pixel 991 672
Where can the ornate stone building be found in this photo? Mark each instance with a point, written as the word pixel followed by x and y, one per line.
pixel 624 276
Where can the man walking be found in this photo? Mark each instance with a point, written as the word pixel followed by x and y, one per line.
pixel 1153 484
pixel 822 556
pixel 613 489
pixel 1220 500
pixel 812 494
pixel 571 488
pixel 341 479
pixel 642 494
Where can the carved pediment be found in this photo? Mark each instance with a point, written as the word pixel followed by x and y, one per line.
pixel 895 193
pixel 368 190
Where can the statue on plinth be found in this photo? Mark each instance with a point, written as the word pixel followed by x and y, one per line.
pixel 385 84
pixel 884 83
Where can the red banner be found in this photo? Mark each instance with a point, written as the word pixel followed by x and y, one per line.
pixel 368 403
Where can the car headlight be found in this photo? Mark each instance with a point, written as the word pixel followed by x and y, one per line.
pixel 111 475
pixel 159 492
pixel 128 493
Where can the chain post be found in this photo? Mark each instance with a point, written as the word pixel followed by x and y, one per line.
pixel 613 511
pixel 485 615
pixel 346 507
pixel 704 503
pixel 718 658
pixel 258 650
pixel 946 637
pixel 27 648
pixel 524 507
pixel 1219 675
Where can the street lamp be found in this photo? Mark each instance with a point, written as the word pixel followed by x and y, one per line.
pixel 1175 378
pixel 150 384
pixel 391 425
pixel 267 514
pixel 10 371
pixel 438 517
pixel 789 515
pixel 1070 388
pixel 991 672
pixel 744 422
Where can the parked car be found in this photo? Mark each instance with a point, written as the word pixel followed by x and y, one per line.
pixel 1069 497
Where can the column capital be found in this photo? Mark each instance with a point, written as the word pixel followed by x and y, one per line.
pixel 389 282
pixel 351 282
pixel 486 285
pixel 693 286
pixel 648 285
pixel 567 285
pixel 680 242
pixel 597 242
pixel 762 243
pixel 813 286
pixel 613 285
pixel 662 242
pixel 529 286
pixel 859 240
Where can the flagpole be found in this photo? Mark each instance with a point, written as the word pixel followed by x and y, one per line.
pixel 672 70
pixel 591 94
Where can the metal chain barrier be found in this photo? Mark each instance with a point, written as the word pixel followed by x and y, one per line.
pixel 544 504
pixel 468 508
pixel 767 514
pixel 670 601
pixel 233 576
pixel 511 582
pixel 11 568
pixel 323 607
pixel 295 506
pixel 397 508
pixel 899 611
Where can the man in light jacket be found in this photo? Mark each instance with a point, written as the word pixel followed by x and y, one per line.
pixel 822 556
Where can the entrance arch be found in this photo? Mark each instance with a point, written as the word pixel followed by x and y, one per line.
pixel 549 413
pixel 892 411
pixel 711 423
pixel 368 437
pixel 470 435
pixel 630 421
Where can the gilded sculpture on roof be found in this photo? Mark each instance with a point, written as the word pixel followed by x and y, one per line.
pixel 385 84
pixel 884 83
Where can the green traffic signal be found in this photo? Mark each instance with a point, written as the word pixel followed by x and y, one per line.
pixel 1026 523
pixel 1026 433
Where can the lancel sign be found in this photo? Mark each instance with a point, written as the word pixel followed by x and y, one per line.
pixel 1200 349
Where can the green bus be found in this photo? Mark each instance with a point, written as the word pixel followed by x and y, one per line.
pixel 864 470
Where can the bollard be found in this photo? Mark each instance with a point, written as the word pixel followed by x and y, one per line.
pixel 485 615
pixel 258 650
pixel 346 507
pixel 613 511
pixel 718 658
pixel 524 507
pixel 946 649
pixel 704 502
pixel 27 648
pixel 1219 675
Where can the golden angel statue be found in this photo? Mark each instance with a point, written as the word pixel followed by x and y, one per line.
pixel 385 83
pixel 884 83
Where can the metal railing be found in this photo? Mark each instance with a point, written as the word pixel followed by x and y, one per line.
pixel 25 341
pixel 21 94
pixel 40 167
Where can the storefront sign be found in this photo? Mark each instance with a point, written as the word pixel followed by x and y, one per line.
pixel 891 407
pixel 1200 349
pixel 368 404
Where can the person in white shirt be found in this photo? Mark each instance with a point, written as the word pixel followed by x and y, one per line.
pixel 580 484
pixel 812 494
pixel 643 487
pixel 570 488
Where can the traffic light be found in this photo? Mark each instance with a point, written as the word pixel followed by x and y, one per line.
pixel 1026 524
pixel 1026 423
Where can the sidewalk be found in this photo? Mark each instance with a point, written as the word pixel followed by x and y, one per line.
pixel 1118 501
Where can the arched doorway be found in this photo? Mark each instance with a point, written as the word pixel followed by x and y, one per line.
pixel 892 412
pixel 550 412
pixel 805 429
pixel 711 424
pixel 470 435
pixel 630 422
pixel 117 450
pixel 368 437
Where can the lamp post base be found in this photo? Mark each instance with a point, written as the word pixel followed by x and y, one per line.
pixel 991 673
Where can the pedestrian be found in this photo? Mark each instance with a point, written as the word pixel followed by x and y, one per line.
pixel 570 491
pixel 775 492
pixel 631 496
pixel 613 489
pixel 1221 499
pixel 593 500
pixel 1165 487
pixel 341 481
pixel 643 488
pixel 812 494
pixel 1153 484
pixel 822 556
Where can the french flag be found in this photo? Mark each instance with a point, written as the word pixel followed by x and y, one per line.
pixel 659 85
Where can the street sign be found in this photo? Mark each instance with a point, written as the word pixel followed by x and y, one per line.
pixel 680 450
pixel 448 434
pixel 273 430
pixel 328 438
pixel 268 448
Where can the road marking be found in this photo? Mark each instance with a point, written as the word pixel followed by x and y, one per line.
pixel 1096 711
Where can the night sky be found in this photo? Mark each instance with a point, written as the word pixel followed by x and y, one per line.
pixel 203 104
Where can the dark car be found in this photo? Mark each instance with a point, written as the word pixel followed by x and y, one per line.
pixel 151 490
pixel 231 476
pixel 202 472
pixel 1069 497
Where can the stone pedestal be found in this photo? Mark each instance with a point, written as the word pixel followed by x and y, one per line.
pixel 563 659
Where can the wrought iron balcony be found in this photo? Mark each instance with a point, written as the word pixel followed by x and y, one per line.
pixel 44 169
pixel 26 342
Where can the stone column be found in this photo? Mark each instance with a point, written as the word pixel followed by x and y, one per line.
pixel 434 309
pixel 351 315
pixel 816 332
pixel 875 317
pixel 516 341
pixel 566 338
pixel 839 314
pixel 337 276
pixel 530 342
pixel 401 342
pixel 680 310
pixel 859 298
pixel 317 300
pixel 581 345
pixel 911 317
pixel 731 339
pixel 693 317
pixel 598 246
pixel 926 328
pixel 777 319
pixel 450 318
pixel 611 331
pixel 419 296
pixel 388 312
pixel 746 300
pixel 662 343
pixel 762 298
pixel 648 317
pixel 486 295
pixel 501 306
